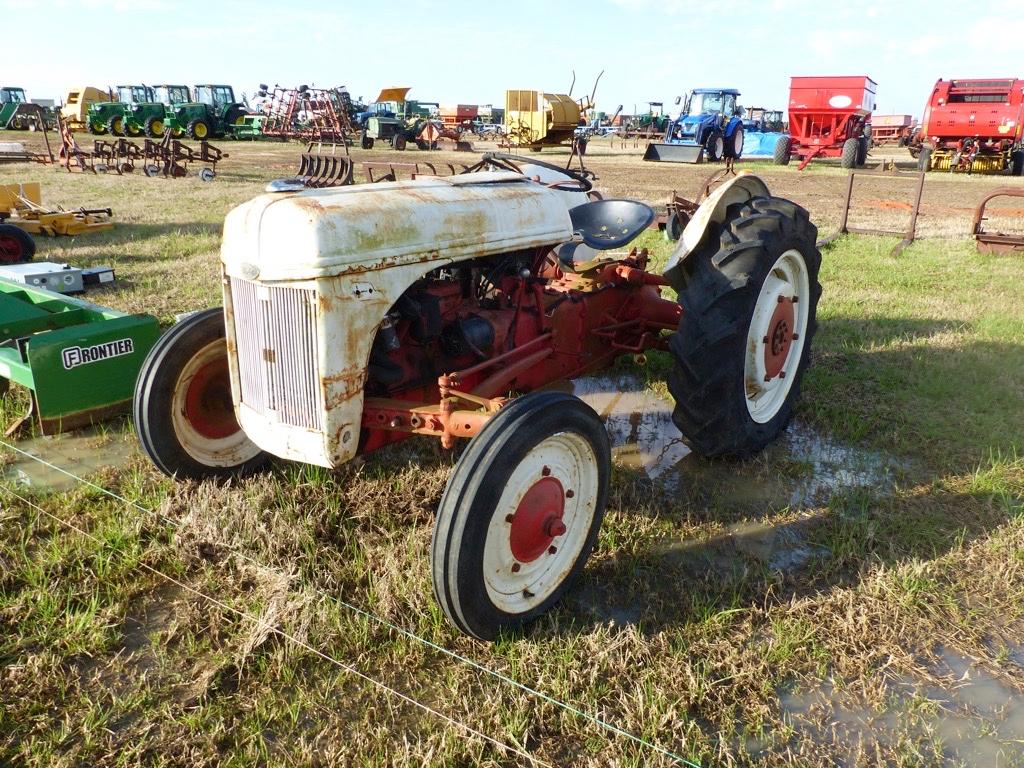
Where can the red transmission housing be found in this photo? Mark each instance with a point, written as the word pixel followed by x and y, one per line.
pixel 826 111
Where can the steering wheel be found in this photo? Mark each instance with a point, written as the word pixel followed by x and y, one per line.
pixel 581 181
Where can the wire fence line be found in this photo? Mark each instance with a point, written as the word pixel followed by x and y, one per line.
pixel 589 717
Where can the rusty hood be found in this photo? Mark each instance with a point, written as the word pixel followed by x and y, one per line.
pixel 367 227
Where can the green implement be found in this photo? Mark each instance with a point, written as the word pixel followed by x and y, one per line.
pixel 79 359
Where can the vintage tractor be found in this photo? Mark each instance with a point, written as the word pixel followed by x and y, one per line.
pixel 359 316
pixel 710 126
pixel 213 113
pixel 18 114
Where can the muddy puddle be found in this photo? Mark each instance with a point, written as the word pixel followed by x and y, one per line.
pixel 964 714
pixel 81 453
pixel 802 468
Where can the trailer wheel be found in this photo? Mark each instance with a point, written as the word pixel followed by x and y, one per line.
pixel 154 127
pixel 781 153
pixel 924 160
pixel 851 149
pixel 115 126
pixel 749 304
pixel 16 245
pixel 182 408
pixel 862 151
pixel 521 513
pixel 714 147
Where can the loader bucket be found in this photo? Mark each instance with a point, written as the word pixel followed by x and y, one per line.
pixel 675 153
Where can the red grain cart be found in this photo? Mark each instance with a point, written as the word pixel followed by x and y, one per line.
pixel 973 125
pixel 459 116
pixel 891 130
pixel 829 117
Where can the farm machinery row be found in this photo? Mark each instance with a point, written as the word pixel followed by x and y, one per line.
pixel 202 112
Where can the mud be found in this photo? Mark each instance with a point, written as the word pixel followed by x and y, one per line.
pixel 971 716
pixel 803 468
pixel 81 453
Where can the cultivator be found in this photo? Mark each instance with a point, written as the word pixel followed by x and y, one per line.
pixel 309 114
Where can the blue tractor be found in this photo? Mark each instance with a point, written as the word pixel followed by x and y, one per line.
pixel 710 127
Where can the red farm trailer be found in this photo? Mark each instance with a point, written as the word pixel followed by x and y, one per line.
pixel 891 130
pixel 973 125
pixel 829 117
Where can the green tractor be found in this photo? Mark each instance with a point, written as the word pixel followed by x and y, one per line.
pixel 16 113
pixel 150 117
pixel 215 112
pixel 112 116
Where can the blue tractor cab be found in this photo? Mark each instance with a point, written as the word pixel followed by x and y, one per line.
pixel 710 126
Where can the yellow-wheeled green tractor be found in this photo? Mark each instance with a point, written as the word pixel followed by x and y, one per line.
pixel 213 113
pixel 120 118
pixel 17 113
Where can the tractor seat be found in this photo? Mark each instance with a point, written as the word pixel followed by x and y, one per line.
pixel 603 225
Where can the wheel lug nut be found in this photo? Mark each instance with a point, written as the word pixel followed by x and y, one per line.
pixel 552 550
pixel 509 518
pixel 764 340
pixel 546 471
pixel 570 493
pixel 781 299
pixel 795 336
pixel 782 374
pixel 516 567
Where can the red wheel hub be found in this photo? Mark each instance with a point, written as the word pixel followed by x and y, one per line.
pixel 208 406
pixel 538 520
pixel 779 338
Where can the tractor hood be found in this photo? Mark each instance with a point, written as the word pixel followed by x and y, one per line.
pixel 366 227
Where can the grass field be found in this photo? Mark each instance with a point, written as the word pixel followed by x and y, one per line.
pixel 855 596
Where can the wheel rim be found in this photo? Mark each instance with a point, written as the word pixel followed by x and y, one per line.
pixel 737 142
pixel 157 126
pixel 202 412
pixel 541 522
pixel 719 146
pixel 11 250
pixel 775 341
pixel 115 126
pixel 199 131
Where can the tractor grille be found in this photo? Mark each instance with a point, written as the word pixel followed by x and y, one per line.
pixel 276 337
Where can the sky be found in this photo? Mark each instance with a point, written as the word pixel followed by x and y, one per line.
pixel 471 52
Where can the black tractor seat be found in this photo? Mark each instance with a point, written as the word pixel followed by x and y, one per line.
pixel 603 225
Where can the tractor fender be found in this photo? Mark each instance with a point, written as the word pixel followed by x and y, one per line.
pixel 730 127
pixel 739 189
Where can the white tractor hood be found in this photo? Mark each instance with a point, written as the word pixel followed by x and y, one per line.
pixel 365 227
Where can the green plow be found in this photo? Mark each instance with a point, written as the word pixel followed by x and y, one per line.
pixel 79 359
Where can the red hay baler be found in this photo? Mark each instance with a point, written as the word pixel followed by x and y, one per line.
pixel 973 125
pixel 829 117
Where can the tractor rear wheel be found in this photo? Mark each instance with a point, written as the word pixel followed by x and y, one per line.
pixel 714 147
pixel 851 149
pixel 16 245
pixel 154 127
pixel 521 513
pixel 749 302
pixel 781 153
pixel 183 410
pixel 398 142
pixel 198 130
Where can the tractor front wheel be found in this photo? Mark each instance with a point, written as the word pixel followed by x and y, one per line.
pixel 154 127
pixel 851 151
pixel 734 144
pixel 183 410
pixel 132 129
pixel 198 130
pixel 749 315
pixel 521 513
pixel 366 142
pixel 115 126
pixel 16 245
pixel 714 147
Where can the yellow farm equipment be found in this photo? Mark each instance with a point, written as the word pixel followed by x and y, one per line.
pixel 537 119
pixel 77 101
pixel 22 206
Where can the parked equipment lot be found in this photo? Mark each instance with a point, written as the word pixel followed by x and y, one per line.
pixel 780 611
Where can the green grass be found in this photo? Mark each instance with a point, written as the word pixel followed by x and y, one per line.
pixel 679 631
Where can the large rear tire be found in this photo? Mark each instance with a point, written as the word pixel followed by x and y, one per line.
pixel 851 149
pixel 749 302
pixel 520 514
pixel 183 411
pixel 16 245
